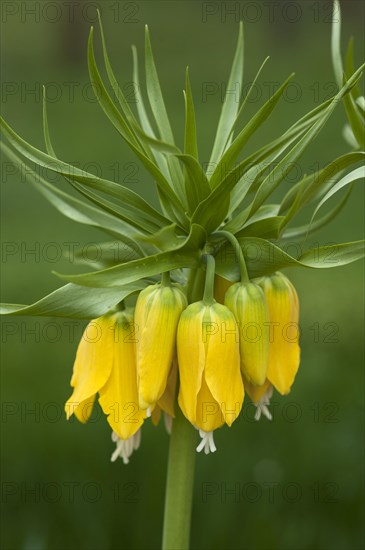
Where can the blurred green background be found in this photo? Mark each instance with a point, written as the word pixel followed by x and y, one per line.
pixel 295 483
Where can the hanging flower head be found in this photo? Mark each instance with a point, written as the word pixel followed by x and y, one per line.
pixel 211 390
pixel 105 364
pixel 158 274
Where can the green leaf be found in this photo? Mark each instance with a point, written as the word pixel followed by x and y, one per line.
pixel 267 228
pixel 263 257
pixel 75 302
pixel 243 104
pixel 140 221
pixel 165 239
pixel 355 119
pixel 187 255
pixel 128 113
pixel 160 114
pixel 155 94
pixel 107 254
pixel 350 67
pixel 247 174
pixel 143 117
pixel 132 205
pixel 336 43
pixel 71 207
pixel 158 144
pixel 122 127
pixel 190 143
pixel 306 230
pixel 106 102
pixel 197 186
pixel 314 185
pixel 146 125
pixel 333 255
pixel 281 170
pixel 265 223
pixel 230 105
pixel 242 138
pixel 358 173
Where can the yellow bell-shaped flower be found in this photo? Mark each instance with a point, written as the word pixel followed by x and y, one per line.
pixel 248 304
pixel 211 390
pixel 284 354
pixel 105 363
pixel 158 311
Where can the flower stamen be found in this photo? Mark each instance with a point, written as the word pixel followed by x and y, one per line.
pixel 207 442
pixel 125 447
pixel 262 405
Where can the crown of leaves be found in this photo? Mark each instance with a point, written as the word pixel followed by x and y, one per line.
pixel 195 205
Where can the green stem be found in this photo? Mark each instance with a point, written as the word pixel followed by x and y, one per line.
pixel 208 297
pixel 180 485
pixel 239 253
pixel 165 279
pixel 181 462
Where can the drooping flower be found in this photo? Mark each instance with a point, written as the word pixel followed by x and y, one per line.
pixel 158 311
pixel 105 364
pixel 247 303
pixel 284 350
pixel 211 390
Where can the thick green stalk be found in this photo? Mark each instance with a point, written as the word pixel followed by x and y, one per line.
pixel 181 462
pixel 180 484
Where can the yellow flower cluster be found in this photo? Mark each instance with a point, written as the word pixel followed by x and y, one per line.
pixel 245 338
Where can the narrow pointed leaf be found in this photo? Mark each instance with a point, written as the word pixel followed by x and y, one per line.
pixel 75 302
pixel 196 182
pixel 131 202
pixel 190 144
pixel 161 117
pixel 121 126
pixel 187 255
pixel 282 169
pixel 263 257
pixel 350 67
pixel 230 105
pixel 355 119
pixel 317 183
pixel 357 174
pixel 254 123
pixel 304 231
pixel 336 43
pixel 71 207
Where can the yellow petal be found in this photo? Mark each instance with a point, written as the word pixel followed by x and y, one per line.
pixel 284 355
pixel 255 392
pixel 157 327
pixel 93 363
pixel 191 357
pixel 167 401
pixel 119 396
pixel 209 415
pixel 84 410
pixel 248 304
pixel 222 368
